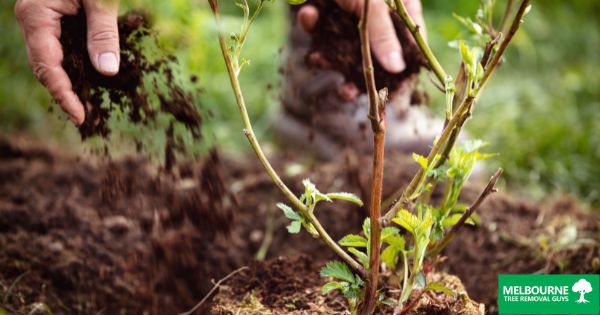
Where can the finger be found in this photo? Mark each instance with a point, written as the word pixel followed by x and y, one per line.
pixel 308 16
pixel 415 10
pixel 103 35
pixel 382 36
pixel 41 28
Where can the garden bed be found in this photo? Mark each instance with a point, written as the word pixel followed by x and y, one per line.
pixel 154 241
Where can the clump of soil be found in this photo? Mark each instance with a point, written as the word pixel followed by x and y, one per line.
pixel 128 92
pixel 336 38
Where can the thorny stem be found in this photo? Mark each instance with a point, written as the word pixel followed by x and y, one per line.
pixel 462 114
pixel 377 117
pixel 435 65
pixel 489 189
pixel 248 131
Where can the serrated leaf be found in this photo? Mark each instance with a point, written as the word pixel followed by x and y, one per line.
pixel 288 212
pixel 330 286
pixel 362 257
pixel 396 241
pixel 294 227
pixel 338 270
pixel 421 160
pixel 319 196
pixel 439 287
pixel 407 220
pixel 353 240
pixel 346 196
pixel 389 231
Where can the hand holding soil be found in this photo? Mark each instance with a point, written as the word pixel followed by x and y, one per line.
pixel 40 22
pixel 384 41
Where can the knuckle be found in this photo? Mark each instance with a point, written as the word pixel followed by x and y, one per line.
pixel 104 36
pixel 41 72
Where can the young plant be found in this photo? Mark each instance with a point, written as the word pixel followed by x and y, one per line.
pixel 423 227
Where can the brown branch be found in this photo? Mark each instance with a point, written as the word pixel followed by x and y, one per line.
pixel 368 71
pixel 490 188
pixel 377 118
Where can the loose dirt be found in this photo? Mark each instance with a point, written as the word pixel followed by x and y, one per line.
pixel 154 243
pixel 145 92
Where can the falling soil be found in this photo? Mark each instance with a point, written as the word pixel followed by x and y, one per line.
pixel 127 92
pixel 153 243
pixel 336 39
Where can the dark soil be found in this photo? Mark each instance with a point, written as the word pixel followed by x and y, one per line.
pixel 285 285
pixel 336 39
pixel 127 92
pixel 153 242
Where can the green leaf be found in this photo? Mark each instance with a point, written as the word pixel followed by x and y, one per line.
pixel 288 212
pixel 366 226
pixel 346 196
pixel 362 257
pixel 439 287
pixel 294 227
pixel 421 160
pixel 338 270
pixel 420 280
pixel 396 241
pixel 330 286
pixel 295 2
pixel 473 145
pixel 388 232
pixel 407 220
pixel 389 256
pixel 353 240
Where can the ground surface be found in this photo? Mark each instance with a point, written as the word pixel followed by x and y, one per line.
pixel 88 236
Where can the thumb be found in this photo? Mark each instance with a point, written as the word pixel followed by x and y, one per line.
pixel 383 38
pixel 103 35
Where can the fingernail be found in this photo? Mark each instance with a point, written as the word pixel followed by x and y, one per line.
pixel 108 63
pixel 394 62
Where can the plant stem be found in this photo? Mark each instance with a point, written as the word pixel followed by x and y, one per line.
pixel 377 117
pixel 248 131
pixel 513 29
pixel 414 184
pixel 434 64
pixel 510 5
pixel 489 189
pixel 463 112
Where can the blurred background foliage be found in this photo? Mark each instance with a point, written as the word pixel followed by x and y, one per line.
pixel 540 112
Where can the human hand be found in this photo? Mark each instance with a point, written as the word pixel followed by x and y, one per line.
pixel 40 23
pixel 384 41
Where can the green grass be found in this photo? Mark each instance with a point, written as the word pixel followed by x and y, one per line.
pixel 539 112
